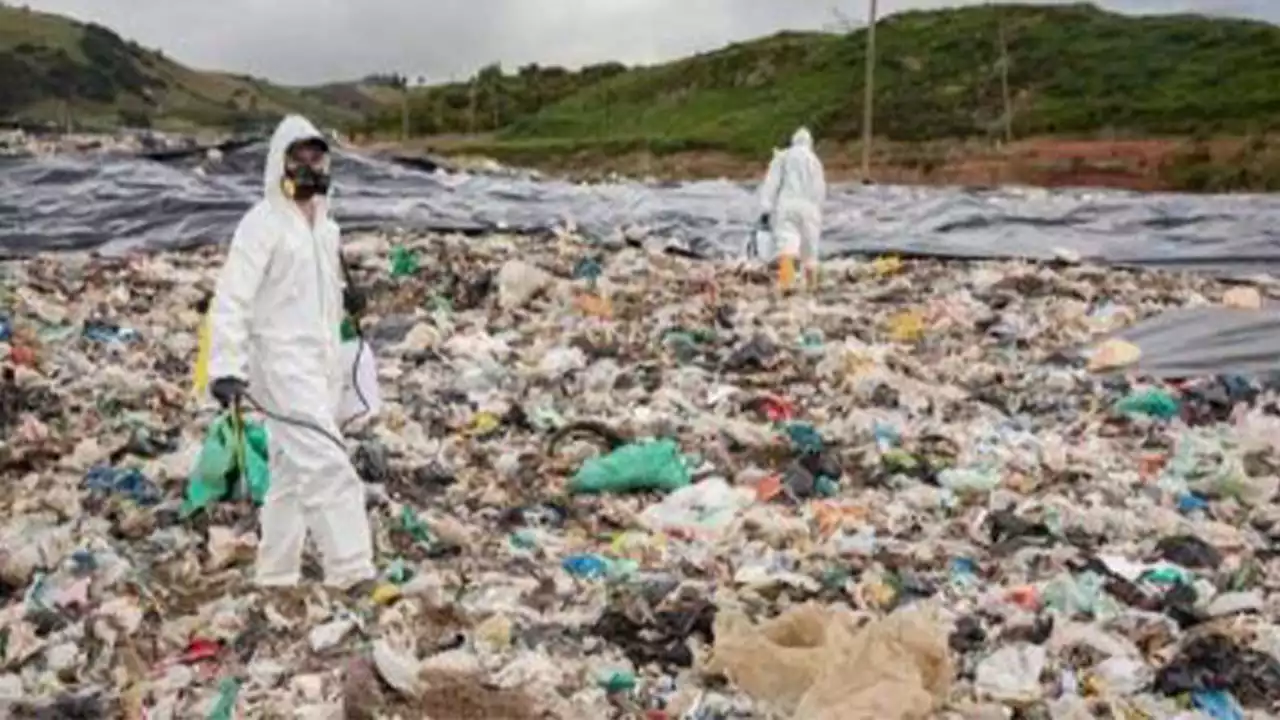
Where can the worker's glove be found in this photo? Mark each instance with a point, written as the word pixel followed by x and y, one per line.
pixel 764 220
pixel 228 391
pixel 354 301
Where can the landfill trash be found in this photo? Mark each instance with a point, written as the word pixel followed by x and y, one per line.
pixel 519 282
pixel 706 508
pixel 325 637
pixel 1242 298
pixel 618 682
pixel 232 465
pixel 1152 402
pixel 130 483
pixel 656 465
pixel 1112 355
pixel 224 706
pixel 104 332
pixel 907 326
pixel 400 670
pixel 1012 673
pixel 404 262
pixel 589 514
pixel 815 662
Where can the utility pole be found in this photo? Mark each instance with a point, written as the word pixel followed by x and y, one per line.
pixel 1004 83
pixel 868 100
pixel 471 105
pixel 404 112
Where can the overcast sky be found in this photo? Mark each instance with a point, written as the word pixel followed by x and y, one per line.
pixel 310 41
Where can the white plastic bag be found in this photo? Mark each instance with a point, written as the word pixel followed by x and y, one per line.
pixel 360 394
pixel 706 508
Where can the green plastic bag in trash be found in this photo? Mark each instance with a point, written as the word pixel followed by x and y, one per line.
pixel 217 473
pixel 641 466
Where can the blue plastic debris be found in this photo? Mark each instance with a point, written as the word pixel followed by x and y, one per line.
pixel 587 269
pixel 887 436
pixel 804 437
pixel 6 329
pixel 963 569
pixel 586 566
pixel 1218 704
pixel 84 561
pixel 1190 502
pixel 37 594
pixel 108 333
pixel 124 482
pixel 826 486
pixel 811 341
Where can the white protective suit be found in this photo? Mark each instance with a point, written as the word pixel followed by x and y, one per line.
pixel 792 194
pixel 275 323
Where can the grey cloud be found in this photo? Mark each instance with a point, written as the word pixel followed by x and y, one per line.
pixel 305 41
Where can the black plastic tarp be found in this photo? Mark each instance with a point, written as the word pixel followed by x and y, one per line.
pixel 1197 342
pixel 116 203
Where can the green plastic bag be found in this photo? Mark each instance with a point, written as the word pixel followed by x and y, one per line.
pixel 224 707
pixel 231 445
pixel 1152 402
pixel 347 330
pixel 640 466
pixel 404 262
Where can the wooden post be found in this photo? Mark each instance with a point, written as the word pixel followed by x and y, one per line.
pixel 471 108
pixel 495 92
pixel 1004 84
pixel 404 113
pixel 869 93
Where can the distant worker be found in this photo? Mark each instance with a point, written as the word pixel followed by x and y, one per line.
pixel 791 204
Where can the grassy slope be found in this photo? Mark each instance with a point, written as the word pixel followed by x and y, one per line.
pixel 47 59
pixel 1074 70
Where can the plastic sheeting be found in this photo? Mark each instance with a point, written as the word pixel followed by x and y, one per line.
pixel 1207 341
pixel 118 203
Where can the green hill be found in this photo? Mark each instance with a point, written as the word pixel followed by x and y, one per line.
pixel 51 65
pixel 1074 70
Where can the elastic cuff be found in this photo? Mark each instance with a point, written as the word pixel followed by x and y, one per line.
pixel 275 581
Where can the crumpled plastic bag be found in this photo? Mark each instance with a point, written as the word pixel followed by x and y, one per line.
pixel 654 465
pixel 219 474
pixel 1114 354
pixel 813 662
pixel 518 283
pixel 1011 673
pixel 707 508
pixel 1242 298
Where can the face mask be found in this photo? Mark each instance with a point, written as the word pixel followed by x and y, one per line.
pixel 303 182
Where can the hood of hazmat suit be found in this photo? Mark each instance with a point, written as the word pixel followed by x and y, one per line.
pixel 792 194
pixel 275 322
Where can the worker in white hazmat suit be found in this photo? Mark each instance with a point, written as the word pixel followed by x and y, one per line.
pixel 274 326
pixel 791 200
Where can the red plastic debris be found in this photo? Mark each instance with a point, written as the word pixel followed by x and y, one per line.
pixel 777 409
pixel 23 356
pixel 201 649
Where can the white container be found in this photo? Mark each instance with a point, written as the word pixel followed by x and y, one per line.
pixel 360 394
